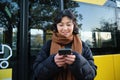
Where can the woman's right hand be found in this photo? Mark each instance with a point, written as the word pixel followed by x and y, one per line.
pixel 59 60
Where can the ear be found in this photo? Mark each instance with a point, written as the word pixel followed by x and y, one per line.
pixel 75 30
pixel 55 29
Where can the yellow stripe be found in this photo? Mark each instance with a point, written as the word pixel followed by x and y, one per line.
pixel 5 73
pixel 98 2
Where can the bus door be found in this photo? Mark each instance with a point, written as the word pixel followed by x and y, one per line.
pixel 8 39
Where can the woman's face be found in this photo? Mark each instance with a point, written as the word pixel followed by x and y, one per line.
pixel 65 27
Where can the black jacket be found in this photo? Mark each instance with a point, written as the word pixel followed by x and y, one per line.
pixel 83 68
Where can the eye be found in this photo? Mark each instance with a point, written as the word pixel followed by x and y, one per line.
pixel 70 24
pixel 61 25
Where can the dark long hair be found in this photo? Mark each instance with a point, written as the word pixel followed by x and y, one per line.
pixel 59 17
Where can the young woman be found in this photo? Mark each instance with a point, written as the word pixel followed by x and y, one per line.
pixel 79 65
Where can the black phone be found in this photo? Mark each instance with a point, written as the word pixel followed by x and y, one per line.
pixel 65 51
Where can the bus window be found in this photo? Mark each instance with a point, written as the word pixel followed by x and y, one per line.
pixel 100 22
pixel 41 14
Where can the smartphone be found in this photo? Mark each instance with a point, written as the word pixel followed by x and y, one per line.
pixel 65 51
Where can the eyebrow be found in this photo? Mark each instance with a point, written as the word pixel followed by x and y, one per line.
pixel 67 22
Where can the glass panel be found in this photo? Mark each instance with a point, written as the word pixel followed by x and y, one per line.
pixel 118 23
pixel 98 25
pixel 41 14
pixel 9 20
pixel 36 39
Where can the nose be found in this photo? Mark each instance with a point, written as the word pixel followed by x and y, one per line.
pixel 65 27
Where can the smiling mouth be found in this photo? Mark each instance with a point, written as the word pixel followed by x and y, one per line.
pixel 65 33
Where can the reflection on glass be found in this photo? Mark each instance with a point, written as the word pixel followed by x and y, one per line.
pixel 41 15
pixel 14 41
pixel 98 25
pixel 88 38
pixel 1 35
pixel 93 16
pixel 118 18
pixel 98 39
pixel 104 39
pixel 36 38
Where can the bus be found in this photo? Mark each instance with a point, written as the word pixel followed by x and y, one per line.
pixel 25 27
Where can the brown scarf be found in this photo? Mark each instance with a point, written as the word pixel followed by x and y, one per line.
pixel 58 42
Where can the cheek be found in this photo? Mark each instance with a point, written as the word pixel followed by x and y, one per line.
pixel 71 29
pixel 59 29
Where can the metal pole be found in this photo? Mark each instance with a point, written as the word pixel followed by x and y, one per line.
pixel 23 41
pixel 61 4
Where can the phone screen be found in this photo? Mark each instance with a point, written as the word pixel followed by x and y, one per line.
pixel 64 51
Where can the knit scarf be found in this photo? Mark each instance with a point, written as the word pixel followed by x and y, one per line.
pixel 58 42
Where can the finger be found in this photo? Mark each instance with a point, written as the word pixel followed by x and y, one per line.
pixel 71 56
pixel 60 60
pixel 60 64
pixel 69 60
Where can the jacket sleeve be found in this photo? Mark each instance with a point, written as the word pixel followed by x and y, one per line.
pixel 84 68
pixel 44 66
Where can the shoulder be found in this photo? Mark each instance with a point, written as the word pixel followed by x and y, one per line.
pixel 47 44
pixel 85 48
pixel 84 45
pixel 45 48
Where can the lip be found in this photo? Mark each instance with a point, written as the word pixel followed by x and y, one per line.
pixel 65 33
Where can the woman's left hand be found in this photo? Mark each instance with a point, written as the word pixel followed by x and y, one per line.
pixel 69 59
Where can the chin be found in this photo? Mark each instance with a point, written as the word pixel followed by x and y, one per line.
pixel 66 36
